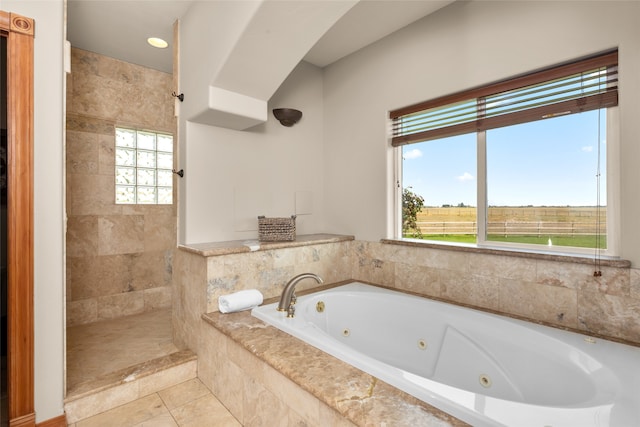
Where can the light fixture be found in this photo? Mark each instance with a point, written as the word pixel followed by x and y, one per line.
pixel 157 42
pixel 287 116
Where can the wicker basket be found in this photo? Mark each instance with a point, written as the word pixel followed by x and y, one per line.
pixel 276 229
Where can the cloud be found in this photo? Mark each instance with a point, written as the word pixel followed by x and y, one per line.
pixel 465 177
pixel 587 148
pixel 412 154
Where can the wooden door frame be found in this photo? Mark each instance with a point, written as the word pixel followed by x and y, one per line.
pixel 19 32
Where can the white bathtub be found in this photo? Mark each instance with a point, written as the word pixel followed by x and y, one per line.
pixel 485 369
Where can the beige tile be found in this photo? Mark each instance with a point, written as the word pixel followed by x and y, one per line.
pixel 120 234
pixel 82 312
pixel 95 276
pixel 100 402
pixel 119 305
pixel 150 269
pixel 305 404
pixel 82 236
pixel 183 393
pixel 205 411
pixel 168 377
pixel 157 298
pixel 130 414
pixel 163 420
pixel 159 232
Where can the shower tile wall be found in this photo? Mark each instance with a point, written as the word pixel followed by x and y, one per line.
pixel 118 256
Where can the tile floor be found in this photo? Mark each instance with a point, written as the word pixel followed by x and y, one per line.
pixel 189 404
pixel 98 350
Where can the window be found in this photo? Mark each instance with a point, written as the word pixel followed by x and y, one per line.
pixel 144 167
pixel 518 163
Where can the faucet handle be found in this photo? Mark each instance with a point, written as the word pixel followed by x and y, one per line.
pixel 294 298
pixel 291 311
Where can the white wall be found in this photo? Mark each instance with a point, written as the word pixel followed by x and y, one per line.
pixel 232 176
pixel 464 45
pixel 48 201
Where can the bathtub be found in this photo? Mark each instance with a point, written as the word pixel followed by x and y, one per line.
pixel 484 369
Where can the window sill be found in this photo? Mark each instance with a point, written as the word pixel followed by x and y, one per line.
pixel 548 256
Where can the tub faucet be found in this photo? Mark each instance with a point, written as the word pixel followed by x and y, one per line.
pixel 285 303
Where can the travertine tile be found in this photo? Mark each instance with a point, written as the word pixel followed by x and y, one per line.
pixel 91 195
pixel 610 315
pixel 205 411
pixel 162 420
pixel 119 305
pixel 82 312
pixel 82 236
pixel 159 232
pixel 134 413
pixel 120 234
pixel 98 349
pixel 261 408
pixel 168 378
pixel 82 152
pixel 307 406
pixel 157 298
pixel 100 402
pixel 416 278
pixel 150 269
pixel 548 303
pixel 479 291
pixel 183 393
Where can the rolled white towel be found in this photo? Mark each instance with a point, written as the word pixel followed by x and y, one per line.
pixel 241 300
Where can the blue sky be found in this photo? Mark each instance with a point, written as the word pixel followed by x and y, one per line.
pixel 551 162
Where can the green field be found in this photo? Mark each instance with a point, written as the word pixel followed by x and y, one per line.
pixel 575 241
pixel 563 218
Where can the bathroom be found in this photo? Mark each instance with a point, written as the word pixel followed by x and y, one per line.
pixel 337 160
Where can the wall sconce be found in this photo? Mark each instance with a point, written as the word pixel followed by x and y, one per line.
pixel 287 116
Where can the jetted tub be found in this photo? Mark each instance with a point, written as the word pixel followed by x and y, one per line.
pixel 485 369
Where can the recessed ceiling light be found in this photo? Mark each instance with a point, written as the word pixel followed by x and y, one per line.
pixel 157 42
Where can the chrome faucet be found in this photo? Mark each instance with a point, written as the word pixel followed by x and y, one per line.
pixel 287 298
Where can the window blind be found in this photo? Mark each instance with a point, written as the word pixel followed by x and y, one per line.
pixel 584 85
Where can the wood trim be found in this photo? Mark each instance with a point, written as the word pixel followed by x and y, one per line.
pixel 28 420
pixel 20 360
pixel 59 421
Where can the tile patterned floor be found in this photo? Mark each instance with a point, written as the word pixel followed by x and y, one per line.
pixel 97 350
pixel 189 404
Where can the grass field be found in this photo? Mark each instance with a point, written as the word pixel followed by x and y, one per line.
pixel 555 215
pixel 575 241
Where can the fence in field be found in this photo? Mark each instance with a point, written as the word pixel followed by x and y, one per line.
pixel 514 228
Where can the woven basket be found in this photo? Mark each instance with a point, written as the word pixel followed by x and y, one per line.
pixel 276 229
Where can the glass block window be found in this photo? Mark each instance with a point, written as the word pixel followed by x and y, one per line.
pixel 144 165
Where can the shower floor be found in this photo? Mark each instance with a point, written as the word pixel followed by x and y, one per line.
pixel 96 351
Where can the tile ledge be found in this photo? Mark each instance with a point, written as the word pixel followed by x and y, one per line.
pixel 245 246
pixel 547 256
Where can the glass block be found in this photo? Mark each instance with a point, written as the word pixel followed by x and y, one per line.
pixel 146 177
pixel 146 195
pixel 165 196
pixel 125 176
pixel 125 138
pixel 165 178
pixel 146 141
pixel 146 159
pixel 165 161
pixel 125 157
pixel 125 194
pixel 165 143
